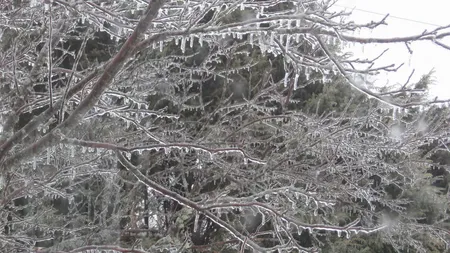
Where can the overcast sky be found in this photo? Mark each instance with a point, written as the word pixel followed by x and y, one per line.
pixel 426 55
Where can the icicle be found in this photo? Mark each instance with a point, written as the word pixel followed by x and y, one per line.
pixel 286 79
pixel 72 151
pixel 34 163
pixel 262 47
pixel 200 40
pixel 287 43
pixel 296 81
pixel 160 46
pixel 297 38
pixel 299 231
pixel 394 114
pixel 307 73
pixel 191 42
pixel 196 222
pixel 49 153
pixel 183 45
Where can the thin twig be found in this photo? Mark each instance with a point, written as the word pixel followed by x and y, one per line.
pixel 50 50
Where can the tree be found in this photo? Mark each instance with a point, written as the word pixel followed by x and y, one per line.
pixel 180 125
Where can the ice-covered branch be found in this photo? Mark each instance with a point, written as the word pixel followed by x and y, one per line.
pixel 156 147
pixel 99 87
pixel 188 203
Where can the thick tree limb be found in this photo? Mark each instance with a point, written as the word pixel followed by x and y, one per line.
pixel 99 87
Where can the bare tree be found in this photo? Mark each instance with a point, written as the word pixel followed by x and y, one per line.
pixel 136 126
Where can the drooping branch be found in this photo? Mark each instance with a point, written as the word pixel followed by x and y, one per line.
pixel 349 228
pixel 368 92
pixel 432 36
pixel 349 79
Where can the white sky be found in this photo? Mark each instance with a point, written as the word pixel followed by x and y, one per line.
pixel 426 55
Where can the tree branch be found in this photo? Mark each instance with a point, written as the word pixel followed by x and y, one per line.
pixel 186 202
pixel 99 87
